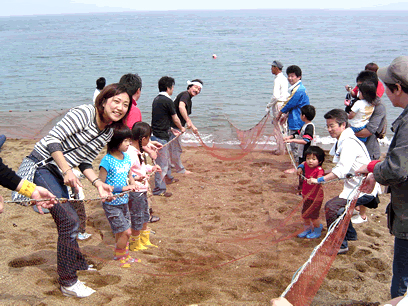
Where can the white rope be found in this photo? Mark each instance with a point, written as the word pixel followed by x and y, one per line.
pixel 330 230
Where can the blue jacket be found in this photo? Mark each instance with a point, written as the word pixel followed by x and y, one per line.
pixel 293 106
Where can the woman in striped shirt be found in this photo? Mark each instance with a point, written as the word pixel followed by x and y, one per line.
pixel 75 141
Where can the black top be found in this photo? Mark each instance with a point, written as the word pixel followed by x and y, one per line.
pixel 162 110
pixel 8 178
pixel 186 98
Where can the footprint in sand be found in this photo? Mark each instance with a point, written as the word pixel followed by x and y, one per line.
pixel 27 261
pixel 362 253
pixel 372 233
pixel 105 280
pixel 378 264
pixel 243 182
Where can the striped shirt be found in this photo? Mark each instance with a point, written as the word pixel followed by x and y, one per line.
pixel 77 129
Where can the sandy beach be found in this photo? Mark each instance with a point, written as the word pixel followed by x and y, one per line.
pixel 207 253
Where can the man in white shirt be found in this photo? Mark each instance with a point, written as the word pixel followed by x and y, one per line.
pixel 349 154
pixel 280 87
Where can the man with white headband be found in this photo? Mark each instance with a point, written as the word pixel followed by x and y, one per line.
pixel 183 105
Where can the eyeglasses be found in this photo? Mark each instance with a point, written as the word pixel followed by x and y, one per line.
pixel 332 126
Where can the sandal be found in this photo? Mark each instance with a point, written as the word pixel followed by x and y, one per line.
pixel 153 219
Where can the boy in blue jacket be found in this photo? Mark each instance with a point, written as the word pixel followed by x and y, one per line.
pixel 297 99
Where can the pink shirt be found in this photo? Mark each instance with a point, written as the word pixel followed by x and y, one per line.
pixel 380 90
pixel 135 115
pixel 138 169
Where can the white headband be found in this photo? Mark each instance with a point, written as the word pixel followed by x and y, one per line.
pixel 195 83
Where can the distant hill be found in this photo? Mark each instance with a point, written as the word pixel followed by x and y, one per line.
pixel 398 6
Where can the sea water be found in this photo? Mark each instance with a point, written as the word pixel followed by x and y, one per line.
pixel 52 62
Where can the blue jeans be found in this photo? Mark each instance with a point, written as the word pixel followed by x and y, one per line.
pixel 335 208
pixel 294 147
pixel 175 153
pixel 69 256
pixel 399 280
pixel 163 160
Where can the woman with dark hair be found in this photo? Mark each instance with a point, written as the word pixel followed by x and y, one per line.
pixel 75 141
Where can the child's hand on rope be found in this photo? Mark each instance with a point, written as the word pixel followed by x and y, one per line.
pixel 299 171
pixel 129 188
pixel 157 168
pixel 154 145
pixel 139 178
pixel 104 190
pixel 312 181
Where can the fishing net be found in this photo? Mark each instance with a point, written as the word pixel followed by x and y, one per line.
pixel 30 124
pixel 263 136
pixel 310 276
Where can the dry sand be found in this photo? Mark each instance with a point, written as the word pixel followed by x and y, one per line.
pixel 202 258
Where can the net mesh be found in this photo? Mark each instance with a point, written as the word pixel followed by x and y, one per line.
pixel 263 135
pixel 260 137
pixel 308 280
pixel 30 124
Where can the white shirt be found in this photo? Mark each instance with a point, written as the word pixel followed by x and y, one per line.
pixel 363 111
pixel 164 93
pixel 96 93
pixel 280 88
pixel 349 154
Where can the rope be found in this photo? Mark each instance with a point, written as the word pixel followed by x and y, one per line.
pixel 64 200
pixel 330 230
pixel 172 140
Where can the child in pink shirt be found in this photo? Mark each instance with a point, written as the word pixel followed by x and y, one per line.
pixel 138 206
pixel 312 194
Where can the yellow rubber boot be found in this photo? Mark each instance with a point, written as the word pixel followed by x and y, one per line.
pixel 145 238
pixel 135 244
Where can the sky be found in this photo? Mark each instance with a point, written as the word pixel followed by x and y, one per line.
pixel 47 7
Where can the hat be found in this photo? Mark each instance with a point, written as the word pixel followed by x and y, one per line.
pixel 277 64
pixel 396 72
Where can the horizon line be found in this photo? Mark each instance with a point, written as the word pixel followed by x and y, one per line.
pixel 369 9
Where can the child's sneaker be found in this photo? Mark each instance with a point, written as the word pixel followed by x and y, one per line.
pixel 83 236
pixel 305 233
pixel 77 290
pixel 316 233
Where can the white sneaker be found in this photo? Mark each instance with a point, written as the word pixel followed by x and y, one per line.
pixel 357 219
pixel 91 268
pixel 83 236
pixel 77 290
